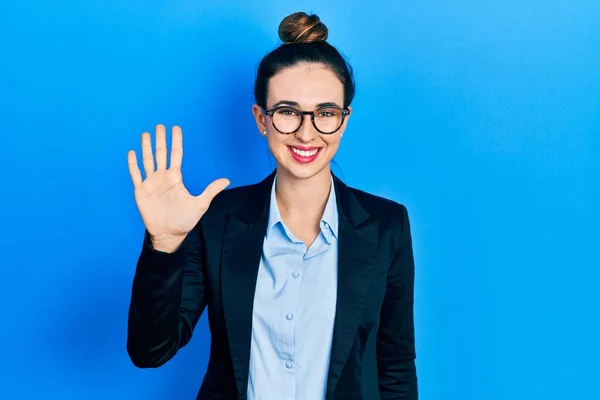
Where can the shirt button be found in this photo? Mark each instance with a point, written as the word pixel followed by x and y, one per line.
pixel 289 316
pixel 289 365
pixel 296 274
pixel 325 225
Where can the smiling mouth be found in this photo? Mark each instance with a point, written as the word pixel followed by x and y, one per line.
pixel 304 155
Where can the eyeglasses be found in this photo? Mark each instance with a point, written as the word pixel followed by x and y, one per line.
pixel 326 120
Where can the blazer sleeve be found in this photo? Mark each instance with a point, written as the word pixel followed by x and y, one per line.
pixel 396 336
pixel 167 300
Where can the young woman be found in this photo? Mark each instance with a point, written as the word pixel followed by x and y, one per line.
pixel 308 282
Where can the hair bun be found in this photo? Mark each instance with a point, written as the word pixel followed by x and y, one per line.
pixel 302 28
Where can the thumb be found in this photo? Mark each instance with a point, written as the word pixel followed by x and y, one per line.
pixel 213 189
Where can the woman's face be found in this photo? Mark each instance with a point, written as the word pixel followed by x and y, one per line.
pixel 305 87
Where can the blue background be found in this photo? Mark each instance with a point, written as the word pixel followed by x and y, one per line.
pixel 481 116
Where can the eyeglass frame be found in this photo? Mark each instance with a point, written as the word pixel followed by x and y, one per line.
pixel 271 111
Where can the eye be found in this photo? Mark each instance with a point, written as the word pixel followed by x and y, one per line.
pixel 287 112
pixel 328 113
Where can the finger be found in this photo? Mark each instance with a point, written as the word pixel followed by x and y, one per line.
pixel 211 191
pixel 161 147
pixel 147 158
pixel 176 147
pixel 134 171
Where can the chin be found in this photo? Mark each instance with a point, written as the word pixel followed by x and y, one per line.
pixel 304 173
pixel 300 171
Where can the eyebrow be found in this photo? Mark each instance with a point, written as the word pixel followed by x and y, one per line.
pixel 296 104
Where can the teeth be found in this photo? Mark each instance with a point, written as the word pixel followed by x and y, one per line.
pixel 305 153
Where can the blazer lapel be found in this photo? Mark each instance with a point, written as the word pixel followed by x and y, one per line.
pixel 358 237
pixel 241 253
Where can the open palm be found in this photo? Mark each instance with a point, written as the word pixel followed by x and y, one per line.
pixel 168 210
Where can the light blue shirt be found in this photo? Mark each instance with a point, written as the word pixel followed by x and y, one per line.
pixel 294 310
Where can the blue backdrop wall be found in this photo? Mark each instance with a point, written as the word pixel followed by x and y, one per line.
pixel 480 116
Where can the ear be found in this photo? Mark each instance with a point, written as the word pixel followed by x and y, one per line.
pixel 260 118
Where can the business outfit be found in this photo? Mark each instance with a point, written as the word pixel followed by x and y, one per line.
pixel 294 309
pixel 332 321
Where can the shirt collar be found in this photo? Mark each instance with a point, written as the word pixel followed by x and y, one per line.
pixel 330 215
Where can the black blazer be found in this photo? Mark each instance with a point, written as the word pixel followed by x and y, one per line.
pixel 373 353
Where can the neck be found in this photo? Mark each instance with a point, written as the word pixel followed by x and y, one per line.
pixel 303 197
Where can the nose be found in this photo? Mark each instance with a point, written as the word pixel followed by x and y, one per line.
pixel 307 131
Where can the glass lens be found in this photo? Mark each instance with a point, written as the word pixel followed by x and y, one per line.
pixel 287 119
pixel 328 120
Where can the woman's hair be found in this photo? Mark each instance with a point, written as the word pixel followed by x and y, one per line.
pixel 304 40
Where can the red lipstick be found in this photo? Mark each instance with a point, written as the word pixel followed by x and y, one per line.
pixel 308 154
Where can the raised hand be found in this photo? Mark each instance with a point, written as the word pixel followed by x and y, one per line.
pixel 168 210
